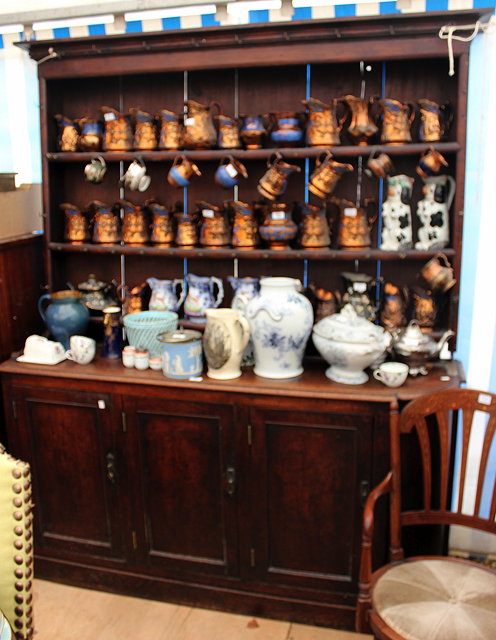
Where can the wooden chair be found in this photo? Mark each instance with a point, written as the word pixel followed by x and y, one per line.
pixel 432 597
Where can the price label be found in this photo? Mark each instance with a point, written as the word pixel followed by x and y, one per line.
pixel 484 398
pixel 351 212
pixel 361 287
pixel 231 171
pixel 109 116
pixel 208 213
pixel 278 215
pixel 189 122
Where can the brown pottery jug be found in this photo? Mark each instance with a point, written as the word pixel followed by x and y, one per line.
pixel 314 229
pixel 245 227
pixel 162 231
pixel 214 229
pixel 435 120
pixel 228 137
pixel 68 133
pixel 171 130
pixel 396 118
pixel 354 225
pixel 76 226
pixel 275 180
pixel 118 133
pixel 199 129
pixel 91 134
pixel 106 225
pixel 326 175
pixel 361 127
pixel 145 132
pixel 323 126
pixel 134 223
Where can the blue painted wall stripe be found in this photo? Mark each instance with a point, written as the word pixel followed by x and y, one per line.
pixel 134 26
pixel 436 5
pixel 302 13
pixel 96 30
pixel 258 15
pixel 1 41
pixel 171 23
pixel 208 20
pixel 344 10
pixel 62 32
pixel 388 7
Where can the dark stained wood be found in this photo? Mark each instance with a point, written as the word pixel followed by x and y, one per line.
pixel 21 285
pixel 431 420
pixel 215 488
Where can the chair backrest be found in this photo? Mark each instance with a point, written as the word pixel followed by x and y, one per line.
pixel 431 420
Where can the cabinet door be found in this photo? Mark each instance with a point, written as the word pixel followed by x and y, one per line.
pixel 69 438
pixel 185 485
pixel 308 473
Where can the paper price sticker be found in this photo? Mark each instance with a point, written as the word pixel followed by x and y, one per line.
pixel 109 116
pixel 350 212
pixel 484 398
pixel 278 215
pixel 231 171
pixel 208 213
pixel 189 122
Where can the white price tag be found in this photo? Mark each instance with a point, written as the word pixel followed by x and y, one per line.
pixel 361 287
pixel 484 398
pixel 278 215
pixel 231 171
pixel 350 211
pixel 101 404
pixel 189 122
pixel 109 116
pixel 208 213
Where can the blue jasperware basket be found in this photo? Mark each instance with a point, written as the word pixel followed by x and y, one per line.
pixel 143 328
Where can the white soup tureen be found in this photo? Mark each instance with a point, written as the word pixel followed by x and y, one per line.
pixel 350 344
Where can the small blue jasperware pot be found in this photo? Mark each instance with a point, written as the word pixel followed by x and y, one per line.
pixel 182 353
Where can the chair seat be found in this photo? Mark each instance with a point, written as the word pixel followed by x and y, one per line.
pixel 437 599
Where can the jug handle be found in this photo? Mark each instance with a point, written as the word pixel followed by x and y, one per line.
pixel 412 112
pixel 245 327
pixel 180 300
pixel 452 190
pixel 220 294
pixel 273 158
pixel 45 296
pixel 448 114
pixel 215 104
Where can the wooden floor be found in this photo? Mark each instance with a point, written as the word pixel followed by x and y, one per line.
pixel 69 613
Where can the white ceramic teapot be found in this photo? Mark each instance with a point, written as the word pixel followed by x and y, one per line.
pixel 349 344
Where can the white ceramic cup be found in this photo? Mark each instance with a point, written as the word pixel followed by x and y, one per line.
pixel 135 177
pixel 392 374
pixel 141 360
pixel 82 349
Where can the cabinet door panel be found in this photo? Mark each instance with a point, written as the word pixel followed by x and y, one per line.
pixel 69 441
pixel 312 466
pixel 184 451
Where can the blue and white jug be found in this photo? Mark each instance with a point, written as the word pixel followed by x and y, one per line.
pixel 201 296
pixel 164 294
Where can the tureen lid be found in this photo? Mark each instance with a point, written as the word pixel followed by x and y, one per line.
pixel 347 326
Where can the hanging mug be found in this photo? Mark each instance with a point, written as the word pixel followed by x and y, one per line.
pixel 135 177
pixel 229 171
pixel 326 175
pixel 95 170
pixel 430 163
pixel 181 171
pixel 438 273
pixel 275 180
pixel 380 166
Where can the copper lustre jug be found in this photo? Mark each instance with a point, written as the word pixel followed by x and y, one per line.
pixel 214 229
pixel 134 223
pixel 118 133
pixel 275 180
pixel 435 120
pixel 244 226
pixel 187 229
pixel 162 230
pixel 68 133
pixel 354 224
pixel 323 126
pixel 314 229
pixel 91 134
pixel 76 226
pixel 228 136
pixel 396 118
pixel 361 127
pixel 326 175
pixel 106 225
pixel 145 132
pixel 199 129
pixel 171 130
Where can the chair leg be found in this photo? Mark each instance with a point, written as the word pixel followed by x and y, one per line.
pixel 362 608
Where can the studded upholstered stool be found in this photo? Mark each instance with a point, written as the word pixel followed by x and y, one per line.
pixel 16 547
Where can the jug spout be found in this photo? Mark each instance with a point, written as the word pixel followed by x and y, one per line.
pixel 442 341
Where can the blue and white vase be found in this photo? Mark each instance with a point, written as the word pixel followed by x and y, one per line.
pixel 281 321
